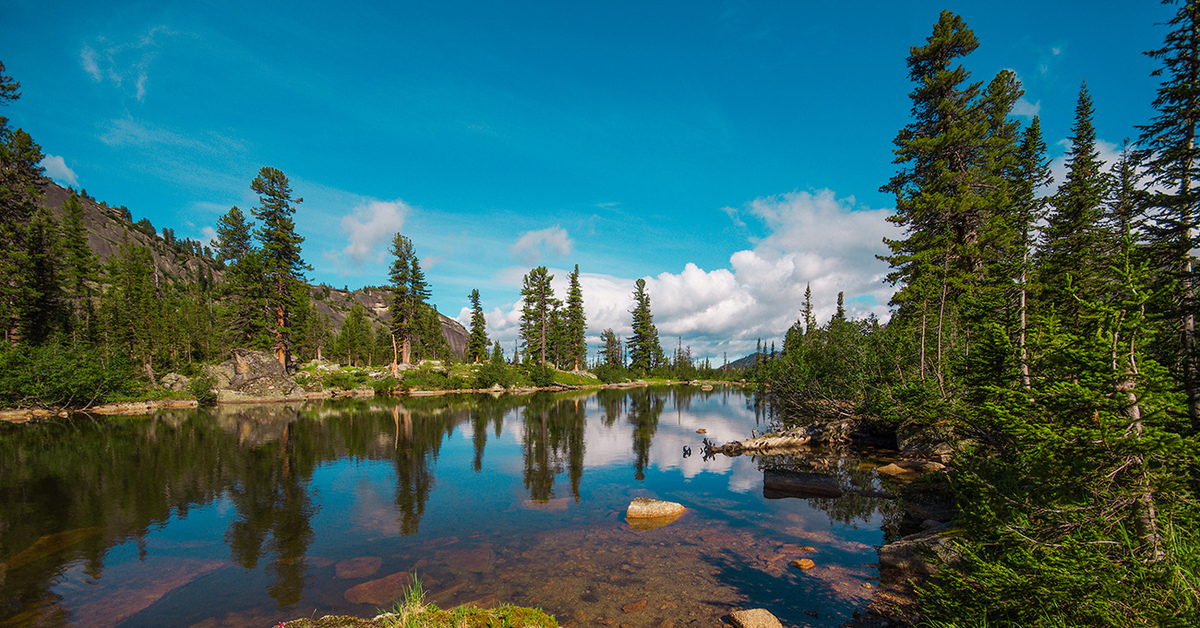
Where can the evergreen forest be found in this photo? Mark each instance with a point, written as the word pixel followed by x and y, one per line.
pixel 1047 327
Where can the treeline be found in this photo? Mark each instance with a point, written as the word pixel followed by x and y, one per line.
pixel 1053 336
pixel 76 331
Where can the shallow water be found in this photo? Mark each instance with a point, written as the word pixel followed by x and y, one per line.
pixel 247 516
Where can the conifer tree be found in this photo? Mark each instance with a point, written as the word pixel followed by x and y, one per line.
pixel 612 348
pixel 1170 156
pixel 404 300
pixel 1070 257
pixel 645 352
pixel 245 312
pixel 1032 174
pixel 537 309
pixel 477 347
pixel 937 188
pixel 43 309
pixel 576 323
pixel 21 182
pixel 280 250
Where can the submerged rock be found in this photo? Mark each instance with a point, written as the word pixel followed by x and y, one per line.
pixel 754 618
pixel 382 591
pixel 803 564
pixel 646 508
pixel 362 567
pixel 787 483
pixel 650 514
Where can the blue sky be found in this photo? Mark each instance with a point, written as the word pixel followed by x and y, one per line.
pixel 728 152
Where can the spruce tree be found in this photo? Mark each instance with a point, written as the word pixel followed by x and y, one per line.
pixel 576 323
pixel 404 311
pixel 1071 255
pixel 1169 154
pixel 43 309
pixel 245 311
pixel 1032 174
pixel 477 346
pixel 937 187
pixel 645 352
pixel 612 348
pixel 280 249
pixel 21 183
pixel 537 308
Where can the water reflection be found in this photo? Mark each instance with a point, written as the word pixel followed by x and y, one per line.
pixel 89 507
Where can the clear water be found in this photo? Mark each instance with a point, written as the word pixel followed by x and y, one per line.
pixel 251 515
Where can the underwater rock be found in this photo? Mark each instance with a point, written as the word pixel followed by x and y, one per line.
pixel 382 591
pixel 356 568
pixel 754 618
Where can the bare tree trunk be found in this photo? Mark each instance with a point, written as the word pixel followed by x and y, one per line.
pixel 395 357
pixel 1025 380
pixel 941 377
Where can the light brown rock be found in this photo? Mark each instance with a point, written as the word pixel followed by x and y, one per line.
pixel 382 591
pixel 646 508
pixel 803 564
pixel 361 567
pixel 634 607
pixel 754 618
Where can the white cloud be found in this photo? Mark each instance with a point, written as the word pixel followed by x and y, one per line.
pixel 370 226
pixel 210 235
pixel 814 238
pixel 532 246
pixel 1026 109
pixel 123 62
pixel 87 57
pixel 56 168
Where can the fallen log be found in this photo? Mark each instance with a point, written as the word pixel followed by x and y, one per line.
pixel 790 439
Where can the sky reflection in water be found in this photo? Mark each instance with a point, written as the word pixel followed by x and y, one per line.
pixel 248 515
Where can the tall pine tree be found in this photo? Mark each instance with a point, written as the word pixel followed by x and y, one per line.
pixel 280 247
pixel 1169 154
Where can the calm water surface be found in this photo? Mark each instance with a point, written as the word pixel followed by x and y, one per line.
pixel 247 516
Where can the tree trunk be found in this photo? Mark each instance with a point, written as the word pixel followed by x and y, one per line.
pixel 1025 380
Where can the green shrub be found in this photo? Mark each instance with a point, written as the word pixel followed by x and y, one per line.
pixel 492 373
pixel 201 386
pixel 345 380
pixel 611 373
pixel 423 379
pixel 386 385
pixel 541 375
pixel 59 374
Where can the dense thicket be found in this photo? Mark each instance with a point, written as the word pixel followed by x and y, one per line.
pixel 1052 335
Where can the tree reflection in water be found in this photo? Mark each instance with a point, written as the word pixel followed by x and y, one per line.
pixel 73 492
pixel 552 432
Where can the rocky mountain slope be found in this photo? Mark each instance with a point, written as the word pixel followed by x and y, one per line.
pixel 177 261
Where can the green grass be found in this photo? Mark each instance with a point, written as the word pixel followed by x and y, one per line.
pixel 570 378
pixel 413 612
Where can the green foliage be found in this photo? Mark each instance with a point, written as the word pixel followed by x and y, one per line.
pixel 345 379
pixel 58 374
pixel 386 385
pixel 201 387
pixel 541 375
pixel 644 351
pixel 492 373
pixel 612 373
pixel 477 347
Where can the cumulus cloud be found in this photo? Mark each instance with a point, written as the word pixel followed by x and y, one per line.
pixel 551 242
pixel 369 227
pixel 813 238
pixel 56 168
